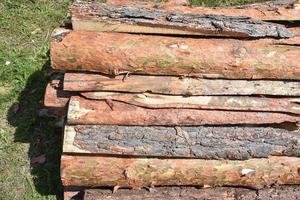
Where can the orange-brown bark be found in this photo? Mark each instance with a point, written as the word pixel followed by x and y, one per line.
pixel 138 172
pixel 117 53
pixel 109 112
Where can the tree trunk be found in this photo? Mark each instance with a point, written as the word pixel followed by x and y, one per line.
pixel 234 143
pixel 117 53
pixel 188 193
pixel 185 86
pixel 135 19
pixel 89 16
pixel 139 172
pixel 109 112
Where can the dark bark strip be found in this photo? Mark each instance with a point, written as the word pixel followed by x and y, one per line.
pixel 188 193
pixel 131 18
pixel 203 24
pixel 234 143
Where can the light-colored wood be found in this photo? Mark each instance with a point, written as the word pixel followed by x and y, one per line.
pixel 138 172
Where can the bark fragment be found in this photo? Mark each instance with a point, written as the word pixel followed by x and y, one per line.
pixel 117 53
pixel 178 86
pixel 234 143
pixel 139 172
pixel 83 111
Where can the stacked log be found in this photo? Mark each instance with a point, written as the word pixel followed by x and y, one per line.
pixel 188 102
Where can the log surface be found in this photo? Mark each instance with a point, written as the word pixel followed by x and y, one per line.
pixel 119 53
pixel 188 193
pixel 243 103
pixel 83 111
pixel 124 18
pixel 139 172
pixel 186 86
pixel 234 143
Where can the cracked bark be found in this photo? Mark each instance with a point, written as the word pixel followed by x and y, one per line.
pixel 140 172
pixel 83 111
pixel 233 143
pixel 188 193
pixel 119 53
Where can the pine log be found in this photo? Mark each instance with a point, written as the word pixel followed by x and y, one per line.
pixel 188 193
pixel 139 172
pixel 134 16
pixel 82 82
pixel 119 53
pixel 234 143
pixel 135 19
pixel 109 112
pixel 238 103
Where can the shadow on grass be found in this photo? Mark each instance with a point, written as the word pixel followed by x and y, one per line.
pixel 40 131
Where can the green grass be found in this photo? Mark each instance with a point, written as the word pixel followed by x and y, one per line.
pixel 25 27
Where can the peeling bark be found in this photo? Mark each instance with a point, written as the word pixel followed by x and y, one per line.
pixel 120 18
pixel 185 86
pixel 117 53
pixel 83 111
pixel 234 143
pixel 243 103
pixel 188 193
pixel 139 172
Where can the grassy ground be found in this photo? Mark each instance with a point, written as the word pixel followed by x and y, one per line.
pixel 25 26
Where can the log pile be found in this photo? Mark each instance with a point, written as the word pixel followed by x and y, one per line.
pixel 178 101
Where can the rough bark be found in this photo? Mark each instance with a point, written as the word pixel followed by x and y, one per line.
pixel 178 85
pixel 234 143
pixel 119 53
pixel 83 111
pixel 133 19
pixel 85 16
pixel 139 172
pixel 243 103
pixel 55 96
pixel 188 193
